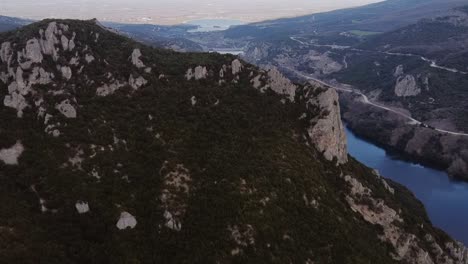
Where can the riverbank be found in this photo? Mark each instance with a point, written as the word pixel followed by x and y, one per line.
pixel 443 198
pixel 417 143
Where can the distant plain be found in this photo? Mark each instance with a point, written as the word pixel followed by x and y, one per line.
pixel 169 12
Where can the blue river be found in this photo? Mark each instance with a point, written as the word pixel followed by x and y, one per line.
pixel 446 200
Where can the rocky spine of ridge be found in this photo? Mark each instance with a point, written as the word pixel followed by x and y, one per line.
pixel 23 69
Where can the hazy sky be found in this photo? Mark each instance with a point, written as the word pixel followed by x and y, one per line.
pixel 169 11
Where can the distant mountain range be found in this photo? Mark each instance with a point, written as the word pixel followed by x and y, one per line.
pixel 380 17
pixel 10 23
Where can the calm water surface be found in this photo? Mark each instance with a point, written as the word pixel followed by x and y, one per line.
pixel 446 201
pixel 207 25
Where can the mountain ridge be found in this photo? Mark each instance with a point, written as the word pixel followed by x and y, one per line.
pixel 418 70
pixel 114 152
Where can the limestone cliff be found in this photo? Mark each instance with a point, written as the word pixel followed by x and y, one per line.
pixel 327 130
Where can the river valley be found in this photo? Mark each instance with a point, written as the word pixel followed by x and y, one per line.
pixel 446 200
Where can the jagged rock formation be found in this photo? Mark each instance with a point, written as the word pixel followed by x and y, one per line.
pixel 10 155
pixel 328 132
pixel 136 54
pixel 280 84
pixel 140 153
pixel 126 220
pixel 407 86
pixel 82 207
pixel 408 247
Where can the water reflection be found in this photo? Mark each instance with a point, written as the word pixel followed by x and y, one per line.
pixel 446 201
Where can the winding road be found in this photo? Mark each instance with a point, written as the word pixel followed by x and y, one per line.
pixel 432 63
pixel 366 100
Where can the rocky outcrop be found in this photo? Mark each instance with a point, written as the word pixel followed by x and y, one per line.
pixel 89 58
pixel 33 51
pixel 327 131
pixel 399 70
pixel 138 82
pixel 126 220
pixel 323 62
pixel 108 89
pixel 408 247
pixel 136 54
pixel 67 109
pixel 280 84
pixel 6 52
pixel 49 39
pixel 236 66
pixel 198 73
pixel 82 207
pixel 407 86
pixel 66 72
pixel 10 155
pixel 16 101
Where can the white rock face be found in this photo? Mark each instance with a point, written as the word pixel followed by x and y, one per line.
pixel 66 72
pixel 33 51
pixel 89 58
pixel 256 82
pixel 200 73
pixel 236 66
pixel 399 70
pixel 324 62
pixel 6 53
pixel 126 220
pixel 408 247
pixel 82 207
pixel 66 109
pixel 19 85
pixel 136 54
pixel 193 100
pixel 39 76
pixel 407 86
pixel 74 61
pixel 4 77
pixel 71 43
pixel 108 89
pixel 49 40
pixel 10 156
pixel 64 41
pixel 171 222
pixel 56 133
pixel 328 133
pixel 16 101
pixel 189 74
pixel 137 83
pixel 280 84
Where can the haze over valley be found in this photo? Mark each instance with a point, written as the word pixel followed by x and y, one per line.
pixel 169 12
